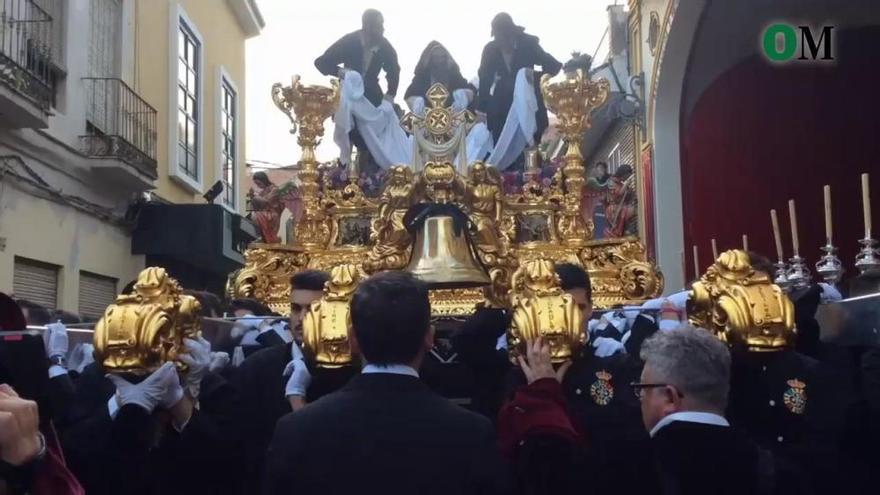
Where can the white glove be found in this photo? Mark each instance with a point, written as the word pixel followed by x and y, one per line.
pixel 219 360
pixel 300 378
pixel 55 340
pixel 83 354
pixel 198 358
pixel 157 389
pixel 605 346
pixel 667 325
pixel 237 356
pixel 829 293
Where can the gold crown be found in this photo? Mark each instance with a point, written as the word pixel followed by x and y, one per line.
pixel 603 375
pixel 795 383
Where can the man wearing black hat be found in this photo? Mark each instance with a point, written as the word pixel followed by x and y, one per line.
pixel 511 50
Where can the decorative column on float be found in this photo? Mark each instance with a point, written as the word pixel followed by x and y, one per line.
pixel 572 100
pixel 307 107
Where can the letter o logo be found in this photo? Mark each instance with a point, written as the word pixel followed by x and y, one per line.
pixel 789 42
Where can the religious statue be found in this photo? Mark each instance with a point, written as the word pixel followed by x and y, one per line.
pixel 620 203
pixel 485 202
pixel 268 204
pixel 389 232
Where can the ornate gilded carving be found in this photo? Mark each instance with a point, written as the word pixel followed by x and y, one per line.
pixel 393 242
pixel 542 309
pixel 326 324
pixel 620 272
pixel 542 221
pixel 266 275
pixel 742 305
pixel 572 100
pixel 141 331
pixel 308 106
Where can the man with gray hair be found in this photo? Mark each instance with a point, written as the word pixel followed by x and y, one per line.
pixel 683 392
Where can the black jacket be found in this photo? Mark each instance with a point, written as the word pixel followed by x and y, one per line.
pixel 348 53
pixel 605 408
pixel 141 454
pixel 493 70
pixel 388 434
pixel 700 459
pixel 261 383
pixel 790 404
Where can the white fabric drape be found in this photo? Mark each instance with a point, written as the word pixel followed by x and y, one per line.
pixel 520 126
pixel 475 146
pixel 378 126
pixel 390 145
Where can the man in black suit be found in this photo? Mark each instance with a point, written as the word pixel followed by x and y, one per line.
pixel 511 50
pixel 385 432
pixel 264 385
pixel 367 52
pixel 683 391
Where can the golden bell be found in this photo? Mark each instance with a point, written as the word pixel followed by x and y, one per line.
pixel 444 260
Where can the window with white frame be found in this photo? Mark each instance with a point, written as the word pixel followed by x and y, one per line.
pixel 189 99
pixel 228 141
pixel 614 158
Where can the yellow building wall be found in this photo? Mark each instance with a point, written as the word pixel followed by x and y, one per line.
pixel 223 45
pixel 46 231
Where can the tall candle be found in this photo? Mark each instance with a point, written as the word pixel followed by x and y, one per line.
pixel 775 221
pixel 792 217
pixel 866 205
pixel 745 242
pixel 714 250
pixel 827 191
pixel 696 262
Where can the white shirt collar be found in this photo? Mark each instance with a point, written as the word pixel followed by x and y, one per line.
pixel 690 417
pixel 394 369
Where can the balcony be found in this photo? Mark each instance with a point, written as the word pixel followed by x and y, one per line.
pixel 121 130
pixel 27 73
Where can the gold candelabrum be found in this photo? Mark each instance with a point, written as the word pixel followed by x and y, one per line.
pixel 742 306
pixel 506 229
pixel 573 100
pixel 307 107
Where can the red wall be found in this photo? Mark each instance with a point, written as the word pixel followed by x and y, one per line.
pixel 762 133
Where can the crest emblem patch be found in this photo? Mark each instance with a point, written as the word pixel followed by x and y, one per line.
pixel 602 391
pixel 795 398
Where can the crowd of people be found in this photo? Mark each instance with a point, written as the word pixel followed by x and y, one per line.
pixel 651 405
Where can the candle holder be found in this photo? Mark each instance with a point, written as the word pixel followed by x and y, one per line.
pixel 798 274
pixel 829 267
pixel 867 259
pixel 780 278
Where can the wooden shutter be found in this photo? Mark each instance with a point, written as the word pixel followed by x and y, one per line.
pixel 35 281
pixel 96 292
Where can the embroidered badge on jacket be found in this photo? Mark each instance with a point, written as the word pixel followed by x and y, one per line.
pixel 602 391
pixel 795 398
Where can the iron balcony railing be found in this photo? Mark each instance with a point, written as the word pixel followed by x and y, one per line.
pixel 26 49
pixel 119 124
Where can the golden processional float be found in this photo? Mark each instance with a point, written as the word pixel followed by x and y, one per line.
pixel 498 250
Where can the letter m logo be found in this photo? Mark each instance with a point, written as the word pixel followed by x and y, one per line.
pixel 809 43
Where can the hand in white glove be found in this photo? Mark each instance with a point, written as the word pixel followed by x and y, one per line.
pixel 605 346
pixel 300 378
pixel 158 389
pixel 219 360
pixel 55 340
pixel 81 356
pixel 198 358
